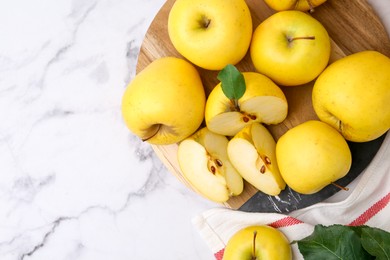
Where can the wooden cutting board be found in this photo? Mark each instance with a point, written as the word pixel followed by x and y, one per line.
pixel 352 25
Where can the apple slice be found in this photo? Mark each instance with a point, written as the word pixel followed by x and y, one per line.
pixel 252 153
pixel 205 164
pixel 263 101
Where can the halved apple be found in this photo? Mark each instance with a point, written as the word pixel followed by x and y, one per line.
pixel 205 164
pixel 263 101
pixel 252 153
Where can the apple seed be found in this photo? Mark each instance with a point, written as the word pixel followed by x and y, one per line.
pixel 262 169
pixel 213 170
pixel 219 162
pixel 267 160
pixel 246 119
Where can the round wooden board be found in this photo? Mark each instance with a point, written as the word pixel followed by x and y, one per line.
pixel 352 25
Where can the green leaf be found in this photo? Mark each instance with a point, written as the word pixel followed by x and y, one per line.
pixel 332 242
pixel 233 82
pixel 376 242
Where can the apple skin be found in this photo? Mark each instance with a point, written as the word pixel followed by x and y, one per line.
pixel 205 164
pixel 270 244
pixel 353 94
pixel 311 156
pixel 211 33
pixel 258 87
pixel 308 5
pixel 151 100
pixel 300 5
pixel 286 61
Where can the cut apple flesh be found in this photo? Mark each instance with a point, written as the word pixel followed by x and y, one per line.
pixel 216 146
pixel 265 109
pixel 252 153
pixel 228 123
pixel 204 163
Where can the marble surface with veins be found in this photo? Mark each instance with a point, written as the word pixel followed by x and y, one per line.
pixel 74 182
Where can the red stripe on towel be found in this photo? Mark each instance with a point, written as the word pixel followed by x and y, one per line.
pixel 219 254
pixel 285 222
pixel 371 211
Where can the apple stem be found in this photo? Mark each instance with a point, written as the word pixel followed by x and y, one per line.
pixel 147 138
pixel 340 187
pixel 235 106
pixel 340 126
pixel 205 22
pixel 311 10
pixel 300 38
pixel 254 245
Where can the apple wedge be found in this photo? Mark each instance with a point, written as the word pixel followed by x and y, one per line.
pixel 263 101
pixel 205 164
pixel 252 153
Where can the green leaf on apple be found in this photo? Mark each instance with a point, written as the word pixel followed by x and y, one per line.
pixel 345 242
pixel 232 82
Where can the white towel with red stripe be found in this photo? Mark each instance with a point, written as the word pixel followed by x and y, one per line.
pixel 366 204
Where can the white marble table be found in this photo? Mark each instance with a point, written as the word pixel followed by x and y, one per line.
pixel 74 182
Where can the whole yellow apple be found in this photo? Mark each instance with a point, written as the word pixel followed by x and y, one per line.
pixel 210 33
pixel 263 101
pixel 165 102
pixel 353 95
pixel 258 243
pixel 300 5
pixel 290 47
pixel 311 156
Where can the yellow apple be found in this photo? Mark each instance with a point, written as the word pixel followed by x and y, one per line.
pixel 205 164
pixel 258 243
pixel 353 95
pixel 211 33
pixel 252 153
pixel 311 156
pixel 263 101
pixel 308 5
pixel 301 5
pixel 290 47
pixel 165 102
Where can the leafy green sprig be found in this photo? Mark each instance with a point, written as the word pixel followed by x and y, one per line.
pixel 345 242
pixel 233 84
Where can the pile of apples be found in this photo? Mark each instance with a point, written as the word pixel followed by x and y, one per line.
pixel 222 137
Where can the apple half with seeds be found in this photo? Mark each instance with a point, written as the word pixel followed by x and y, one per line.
pixel 205 165
pixel 241 99
pixel 252 153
